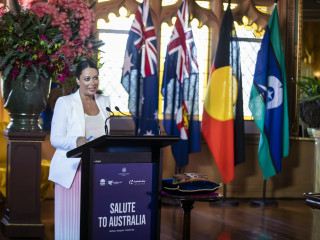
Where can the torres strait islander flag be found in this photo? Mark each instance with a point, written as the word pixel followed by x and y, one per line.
pixel 268 100
pixel 222 122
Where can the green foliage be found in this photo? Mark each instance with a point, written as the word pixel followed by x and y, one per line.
pixel 27 40
pixel 309 87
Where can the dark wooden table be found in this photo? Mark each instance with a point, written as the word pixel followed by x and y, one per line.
pixel 187 202
pixel 312 200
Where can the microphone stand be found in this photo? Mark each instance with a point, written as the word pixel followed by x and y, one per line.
pixel 145 118
pixel 105 123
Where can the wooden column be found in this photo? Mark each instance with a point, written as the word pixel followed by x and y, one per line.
pixel 22 211
pixel 316 181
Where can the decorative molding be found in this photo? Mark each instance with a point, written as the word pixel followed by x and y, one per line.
pixel 103 9
pixel 247 8
pixel 205 16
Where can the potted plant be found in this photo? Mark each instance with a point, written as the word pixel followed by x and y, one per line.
pixel 39 42
pixel 310 101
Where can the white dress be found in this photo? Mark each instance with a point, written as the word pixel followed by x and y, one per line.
pixel 67 201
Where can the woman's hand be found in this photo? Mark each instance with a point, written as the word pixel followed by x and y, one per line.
pixel 81 141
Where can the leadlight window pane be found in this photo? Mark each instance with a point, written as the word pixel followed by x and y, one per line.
pixel 232 6
pixel 204 4
pixel 110 73
pixel 115 35
pixel 168 2
pixel 201 39
pixel 249 47
pixel 249 51
pixel 117 23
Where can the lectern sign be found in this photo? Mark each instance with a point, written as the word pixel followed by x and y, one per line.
pixel 122 202
pixel 120 183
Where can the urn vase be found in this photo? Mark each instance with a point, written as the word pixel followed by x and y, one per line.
pixel 310 112
pixel 25 100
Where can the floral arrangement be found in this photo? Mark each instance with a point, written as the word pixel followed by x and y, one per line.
pixel 47 37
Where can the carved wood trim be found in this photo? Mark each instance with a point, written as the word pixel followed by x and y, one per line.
pixel 205 16
pixel 103 9
pixel 248 8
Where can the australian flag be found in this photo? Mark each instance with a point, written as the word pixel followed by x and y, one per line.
pixel 140 76
pixel 180 89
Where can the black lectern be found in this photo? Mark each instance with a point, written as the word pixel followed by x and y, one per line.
pixel 120 186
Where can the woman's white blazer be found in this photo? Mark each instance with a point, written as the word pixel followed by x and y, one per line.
pixel 68 123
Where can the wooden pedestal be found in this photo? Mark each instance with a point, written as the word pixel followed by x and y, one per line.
pixel 22 212
pixel 316 181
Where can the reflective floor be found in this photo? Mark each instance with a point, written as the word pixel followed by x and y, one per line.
pixel 291 219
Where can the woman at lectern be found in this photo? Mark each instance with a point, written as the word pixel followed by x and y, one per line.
pixel 76 118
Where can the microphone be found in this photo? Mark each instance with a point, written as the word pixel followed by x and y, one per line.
pixel 105 123
pixel 145 118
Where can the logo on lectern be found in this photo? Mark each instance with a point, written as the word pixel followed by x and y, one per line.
pixel 102 182
pixel 137 182
pixel 123 172
pixel 112 182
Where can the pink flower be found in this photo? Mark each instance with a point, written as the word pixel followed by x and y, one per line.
pixel 28 3
pixel 2 9
pixel 52 2
pixel 29 64
pixel 61 78
pixel 51 68
pixel 15 73
pixel 42 56
pixel 43 37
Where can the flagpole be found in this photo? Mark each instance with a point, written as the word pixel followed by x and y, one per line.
pixel 264 201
